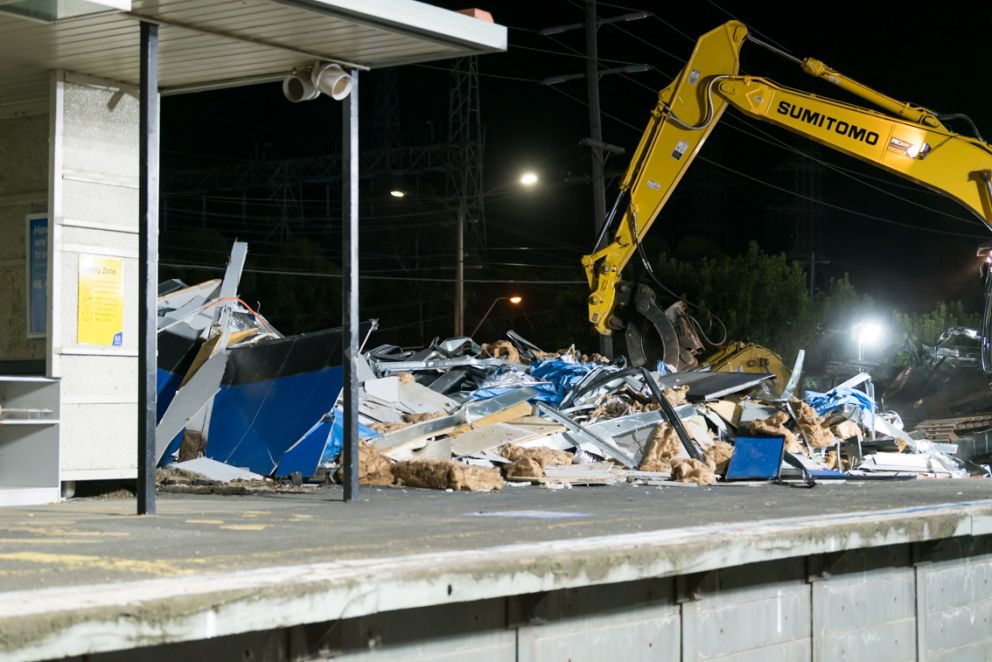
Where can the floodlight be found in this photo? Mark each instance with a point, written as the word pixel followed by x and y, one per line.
pixel 298 87
pixel 867 333
pixel 307 83
pixel 332 80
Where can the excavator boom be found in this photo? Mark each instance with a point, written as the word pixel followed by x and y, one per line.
pixel 905 139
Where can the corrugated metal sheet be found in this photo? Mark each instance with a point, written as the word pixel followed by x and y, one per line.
pixel 214 43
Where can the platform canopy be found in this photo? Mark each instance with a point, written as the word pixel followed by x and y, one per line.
pixel 208 44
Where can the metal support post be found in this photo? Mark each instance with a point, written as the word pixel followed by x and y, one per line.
pixel 349 285
pixel 148 177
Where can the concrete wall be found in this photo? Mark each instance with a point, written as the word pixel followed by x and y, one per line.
pixel 923 601
pixel 23 191
pixel 94 203
pixel 78 162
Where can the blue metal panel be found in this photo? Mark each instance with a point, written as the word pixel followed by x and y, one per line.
pixel 253 424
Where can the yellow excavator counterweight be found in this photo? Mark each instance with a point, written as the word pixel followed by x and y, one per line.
pixel 747 357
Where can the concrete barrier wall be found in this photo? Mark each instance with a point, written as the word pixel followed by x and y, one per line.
pixel 926 601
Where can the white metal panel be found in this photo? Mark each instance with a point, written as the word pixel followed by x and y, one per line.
pixel 28 496
pixel 419 17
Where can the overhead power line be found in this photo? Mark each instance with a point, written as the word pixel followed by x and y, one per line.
pixel 414 279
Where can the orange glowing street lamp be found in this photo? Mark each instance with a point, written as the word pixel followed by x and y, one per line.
pixel 515 300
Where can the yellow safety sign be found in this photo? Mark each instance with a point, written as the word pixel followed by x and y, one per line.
pixel 101 301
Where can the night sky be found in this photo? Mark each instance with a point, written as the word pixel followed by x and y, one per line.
pixel 903 245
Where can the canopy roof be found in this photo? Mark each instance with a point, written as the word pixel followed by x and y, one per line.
pixel 205 44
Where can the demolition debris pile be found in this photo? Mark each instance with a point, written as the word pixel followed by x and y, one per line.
pixel 461 416
pixel 241 403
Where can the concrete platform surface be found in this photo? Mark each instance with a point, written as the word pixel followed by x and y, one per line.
pixel 83 541
pixel 88 575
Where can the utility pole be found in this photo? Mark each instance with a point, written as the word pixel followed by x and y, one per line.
pixel 595 122
pixel 596 139
pixel 464 172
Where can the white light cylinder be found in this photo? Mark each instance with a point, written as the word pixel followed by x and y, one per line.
pixel 333 81
pixel 299 87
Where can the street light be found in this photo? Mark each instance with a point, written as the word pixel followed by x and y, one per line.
pixel 529 178
pixel 515 300
pixel 866 333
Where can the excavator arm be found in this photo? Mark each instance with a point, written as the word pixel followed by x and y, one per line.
pixel 907 140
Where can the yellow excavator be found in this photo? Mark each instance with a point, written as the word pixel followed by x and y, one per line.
pixel 905 139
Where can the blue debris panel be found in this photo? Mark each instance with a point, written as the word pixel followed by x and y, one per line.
pixel 271 394
pixel 756 458
pixel 321 444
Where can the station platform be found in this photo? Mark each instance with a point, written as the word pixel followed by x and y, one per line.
pixel 528 573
